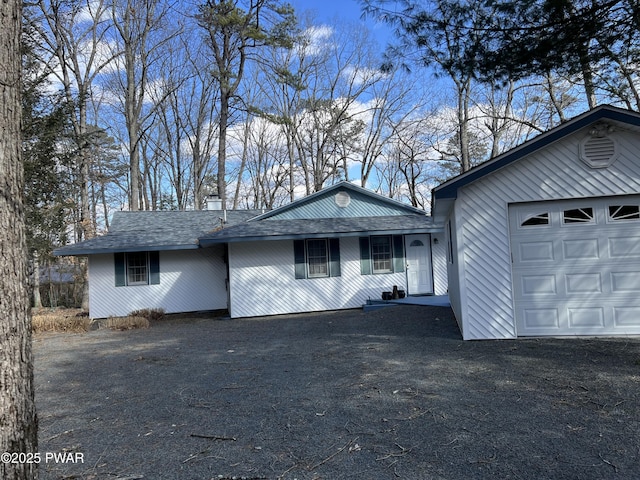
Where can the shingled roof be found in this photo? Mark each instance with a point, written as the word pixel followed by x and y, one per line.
pixel 320 227
pixel 154 230
pixel 341 210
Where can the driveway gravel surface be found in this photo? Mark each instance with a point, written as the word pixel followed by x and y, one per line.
pixel 386 394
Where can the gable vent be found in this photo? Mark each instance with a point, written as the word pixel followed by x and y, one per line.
pixel 598 151
pixel 342 199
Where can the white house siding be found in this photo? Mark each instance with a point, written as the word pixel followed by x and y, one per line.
pixel 555 172
pixel 439 261
pixel 453 270
pixel 262 280
pixel 190 280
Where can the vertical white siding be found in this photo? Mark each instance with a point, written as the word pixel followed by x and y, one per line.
pixel 453 270
pixel 262 281
pixel 190 280
pixel 556 172
pixel 439 261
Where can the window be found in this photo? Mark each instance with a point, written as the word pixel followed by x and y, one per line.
pixel 316 258
pixel 137 268
pixel 536 220
pixel 624 212
pixel 381 254
pixel 578 215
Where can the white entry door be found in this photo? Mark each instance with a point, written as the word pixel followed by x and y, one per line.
pixel 418 253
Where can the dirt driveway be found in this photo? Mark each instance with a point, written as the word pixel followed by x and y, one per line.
pixel 388 394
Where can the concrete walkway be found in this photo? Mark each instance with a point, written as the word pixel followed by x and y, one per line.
pixel 424 300
pixel 432 300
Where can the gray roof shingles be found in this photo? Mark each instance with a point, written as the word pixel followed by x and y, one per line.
pixel 182 230
pixel 154 230
pixel 323 227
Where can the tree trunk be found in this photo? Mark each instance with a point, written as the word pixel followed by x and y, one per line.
pixel 37 299
pixel 463 124
pixel 223 123
pixel 18 424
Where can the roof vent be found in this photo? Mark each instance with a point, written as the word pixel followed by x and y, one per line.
pixel 342 199
pixel 599 150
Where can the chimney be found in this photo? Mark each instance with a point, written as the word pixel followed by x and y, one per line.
pixel 214 203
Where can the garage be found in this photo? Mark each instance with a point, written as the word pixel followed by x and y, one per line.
pixel 576 266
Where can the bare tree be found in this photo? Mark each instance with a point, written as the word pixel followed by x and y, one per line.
pixel 75 35
pixel 287 74
pixel 233 32
pixel 331 106
pixel 143 31
pixel 267 165
pixel 395 100
pixel 18 425
pixel 197 108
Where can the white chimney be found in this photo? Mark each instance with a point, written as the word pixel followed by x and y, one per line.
pixel 214 203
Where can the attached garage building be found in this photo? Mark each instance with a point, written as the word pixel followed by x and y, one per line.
pixel 545 239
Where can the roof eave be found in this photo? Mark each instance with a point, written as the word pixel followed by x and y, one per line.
pixel 73 252
pixel 449 189
pixel 298 236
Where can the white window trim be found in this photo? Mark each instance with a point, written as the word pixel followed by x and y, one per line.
pixel 326 257
pixel 373 260
pixel 128 269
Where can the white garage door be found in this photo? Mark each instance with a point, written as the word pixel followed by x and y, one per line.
pixel 576 266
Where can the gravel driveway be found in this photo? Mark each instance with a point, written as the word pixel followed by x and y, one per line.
pixel 388 394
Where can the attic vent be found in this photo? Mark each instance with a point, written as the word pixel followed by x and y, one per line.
pixel 342 199
pixel 598 151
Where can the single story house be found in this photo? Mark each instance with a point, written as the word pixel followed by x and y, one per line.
pixel 332 250
pixel 541 240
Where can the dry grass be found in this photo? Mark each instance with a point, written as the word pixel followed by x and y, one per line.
pixel 60 320
pixel 151 314
pixel 126 323
pixel 72 320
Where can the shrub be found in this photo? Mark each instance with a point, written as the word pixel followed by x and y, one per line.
pixel 151 314
pixel 59 321
pixel 130 322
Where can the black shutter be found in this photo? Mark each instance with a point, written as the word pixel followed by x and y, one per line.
pixel 298 255
pixel 120 267
pixel 154 268
pixel 398 253
pixel 365 256
pixel 334 257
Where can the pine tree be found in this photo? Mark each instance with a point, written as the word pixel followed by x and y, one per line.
pixel 18 425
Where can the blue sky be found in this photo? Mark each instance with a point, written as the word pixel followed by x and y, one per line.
pixel 329 9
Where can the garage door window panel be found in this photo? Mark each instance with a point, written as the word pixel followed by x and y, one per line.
pixel 621 213
pixel 540 219
pixel 578 215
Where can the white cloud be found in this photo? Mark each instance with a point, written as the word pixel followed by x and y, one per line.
pixel 315 40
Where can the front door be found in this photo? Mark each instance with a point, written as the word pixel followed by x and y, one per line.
pixel 418 253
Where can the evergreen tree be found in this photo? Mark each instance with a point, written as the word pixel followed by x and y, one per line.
pixel 18 423
pixel 234 29
pixel 46 154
